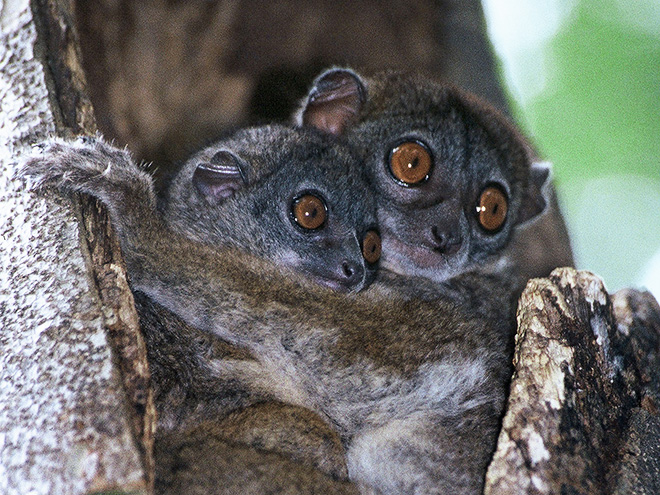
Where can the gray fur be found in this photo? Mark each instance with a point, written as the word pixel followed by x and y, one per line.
pixel 278 163
pixel 403 381
pixel 472 145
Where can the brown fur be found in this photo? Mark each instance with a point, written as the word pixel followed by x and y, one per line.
pixel 403 382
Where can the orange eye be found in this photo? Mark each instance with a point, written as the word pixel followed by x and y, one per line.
pixel 371 246
pixel 492 208
pixel 410 163
pixel 309 211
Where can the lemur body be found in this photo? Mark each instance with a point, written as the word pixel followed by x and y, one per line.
pixel 395 377
pixel 411 373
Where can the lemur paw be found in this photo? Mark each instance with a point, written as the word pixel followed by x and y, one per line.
pixel 85 164
pixel 90 165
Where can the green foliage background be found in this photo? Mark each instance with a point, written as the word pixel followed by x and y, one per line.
pixel 584 78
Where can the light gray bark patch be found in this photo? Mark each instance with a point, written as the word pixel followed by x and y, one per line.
pixel 63 426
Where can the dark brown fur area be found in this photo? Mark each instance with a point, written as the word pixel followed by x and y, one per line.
pixel 166 76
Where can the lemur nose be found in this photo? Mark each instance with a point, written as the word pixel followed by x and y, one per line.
pixel 349 275
pixel 445 242
pixel 348 268
pixel 352 272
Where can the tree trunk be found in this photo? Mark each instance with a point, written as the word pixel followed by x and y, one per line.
pixel 76 414
pixel 583 411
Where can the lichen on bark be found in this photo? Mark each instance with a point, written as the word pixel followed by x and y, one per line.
pixel 586 373
pixel 66 421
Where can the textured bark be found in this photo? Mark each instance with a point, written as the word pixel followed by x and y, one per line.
pixel 75 417
pixel 583 411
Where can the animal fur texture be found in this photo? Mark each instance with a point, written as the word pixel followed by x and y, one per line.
pixel 409 374
pixel 399 379
pixel 430 228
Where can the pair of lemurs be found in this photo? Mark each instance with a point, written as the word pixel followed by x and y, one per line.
pixel 266 240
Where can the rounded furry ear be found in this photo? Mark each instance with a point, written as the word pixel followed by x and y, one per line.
pixel 220 177
pixel 537 197
pixel 334 102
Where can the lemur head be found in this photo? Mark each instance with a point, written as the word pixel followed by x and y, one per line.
pixel 291 195
pixel 453 178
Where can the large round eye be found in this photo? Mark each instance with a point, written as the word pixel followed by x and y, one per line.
pixel 410 163
pixel 492 208
pixel 371 246
pixel 309 211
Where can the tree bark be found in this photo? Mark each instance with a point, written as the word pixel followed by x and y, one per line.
pixel 76 414
pixel 583 410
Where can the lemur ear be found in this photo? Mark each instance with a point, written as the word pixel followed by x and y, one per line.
pixel 334 102
pixel 537 197
pixel 220 177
